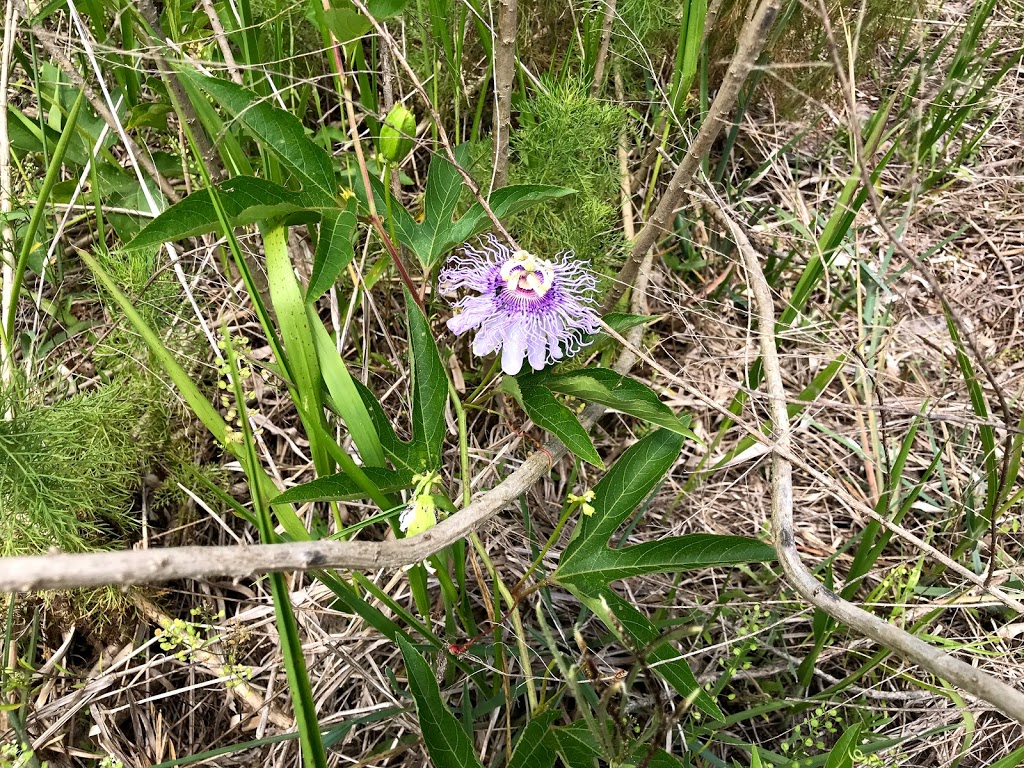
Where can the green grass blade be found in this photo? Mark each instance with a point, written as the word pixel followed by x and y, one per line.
pixel 291 644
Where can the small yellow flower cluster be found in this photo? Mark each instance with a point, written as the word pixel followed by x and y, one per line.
pixel 584 501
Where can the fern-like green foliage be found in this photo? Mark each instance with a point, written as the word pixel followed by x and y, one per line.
pixel 567 138
pixel 69 472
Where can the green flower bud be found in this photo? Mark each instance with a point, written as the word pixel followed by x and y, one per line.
pixel 396 134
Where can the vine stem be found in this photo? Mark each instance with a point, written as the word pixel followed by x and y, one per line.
pixel 1003 697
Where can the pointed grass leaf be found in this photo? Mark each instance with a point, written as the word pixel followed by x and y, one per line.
pixel 447 743
pixel 552 416
pixel 429 388
pixel 246 200
pixel 341 487
pixel 310 741
pixel 279 132
pixel 618 392
pixel 333 250
pixel 345 397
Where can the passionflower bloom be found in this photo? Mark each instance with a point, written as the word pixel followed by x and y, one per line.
pixel 529 308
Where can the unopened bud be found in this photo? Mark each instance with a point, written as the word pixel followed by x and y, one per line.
pixel 397 134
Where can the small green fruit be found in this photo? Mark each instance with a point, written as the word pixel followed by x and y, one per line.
pixel 396 134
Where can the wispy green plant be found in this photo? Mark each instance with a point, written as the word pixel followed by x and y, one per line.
pixel 69 471
pixel 568 138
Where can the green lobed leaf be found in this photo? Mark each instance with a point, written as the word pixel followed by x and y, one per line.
pixel 404 455
pixel 438 233
pixel 246 200
pixel 552 416
pixel 447 743
pixel 675 553
pixel 444 188
pixel 429 387
pixel 341 487
pixel 531 750
pixel 630 480
pixel 333 250
pixel 621 393
pixel 277 130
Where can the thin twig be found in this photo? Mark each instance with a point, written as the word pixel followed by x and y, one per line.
pixel 504 77
pixel 751 42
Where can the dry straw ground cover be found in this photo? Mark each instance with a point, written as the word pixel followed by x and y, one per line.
pixel 821 373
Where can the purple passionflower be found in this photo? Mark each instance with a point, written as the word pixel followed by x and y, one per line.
pixel 530 308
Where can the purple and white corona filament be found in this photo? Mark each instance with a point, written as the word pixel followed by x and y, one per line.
pixel 530 308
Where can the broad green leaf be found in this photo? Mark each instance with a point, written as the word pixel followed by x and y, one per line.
pixel 630 480
pixel 246 200
pixel 447 743
pixel 333 250
pixel 503 202
pixel 345 397
pixel 438 233
pixel 841 755
pixel 341 487
pixel 669 555
pixel 550 415
pixel 286 295
pixel 531 751
pixel 429 387
pixel 643 637
pixel 621 393
pixel 755 758
pixel 277 130
pixel 346 24
pixel 577 746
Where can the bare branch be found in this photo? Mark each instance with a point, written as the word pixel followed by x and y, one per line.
pixel 1003 697
pixel 748 49
pixel 602 54
pixel 504 76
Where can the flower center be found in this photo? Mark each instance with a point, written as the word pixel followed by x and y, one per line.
pixel 525 273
